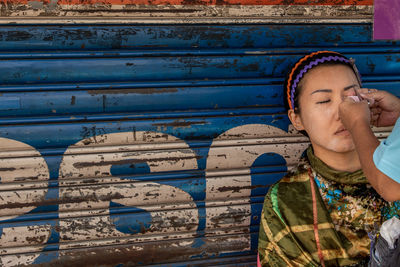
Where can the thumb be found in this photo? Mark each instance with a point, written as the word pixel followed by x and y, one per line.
pixel 344 105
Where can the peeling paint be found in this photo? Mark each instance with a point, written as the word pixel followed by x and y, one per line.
pixel 188 11
pixel 180 123
pixel 148 169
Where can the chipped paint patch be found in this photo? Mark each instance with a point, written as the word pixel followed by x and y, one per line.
pixel 188 14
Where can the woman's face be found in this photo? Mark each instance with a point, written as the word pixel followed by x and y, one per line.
pixel 323 89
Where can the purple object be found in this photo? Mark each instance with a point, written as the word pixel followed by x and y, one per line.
pixel 387 20
pixel 310 66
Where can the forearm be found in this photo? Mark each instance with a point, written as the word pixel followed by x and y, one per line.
pixel 366 143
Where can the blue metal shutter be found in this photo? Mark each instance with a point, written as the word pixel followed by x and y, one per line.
pixel 152 144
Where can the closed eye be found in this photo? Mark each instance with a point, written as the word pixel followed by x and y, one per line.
pixel 323 102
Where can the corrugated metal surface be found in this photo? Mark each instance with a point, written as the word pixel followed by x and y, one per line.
pixel 144 144
pixel 185 11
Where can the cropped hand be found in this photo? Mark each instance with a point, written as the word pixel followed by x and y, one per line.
pixel 385 109
pixel 352 113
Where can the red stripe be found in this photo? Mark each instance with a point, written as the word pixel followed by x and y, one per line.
pixel 315 215
pixel 199 2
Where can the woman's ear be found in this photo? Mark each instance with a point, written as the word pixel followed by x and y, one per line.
pixel 295 119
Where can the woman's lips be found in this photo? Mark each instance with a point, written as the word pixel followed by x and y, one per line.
pixel 342 131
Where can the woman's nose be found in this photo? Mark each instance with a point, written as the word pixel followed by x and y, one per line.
pixel 336 107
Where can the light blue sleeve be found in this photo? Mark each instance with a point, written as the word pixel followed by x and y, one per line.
pixel 387 154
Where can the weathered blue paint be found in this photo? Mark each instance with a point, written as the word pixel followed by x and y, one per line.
pixel 186 87
pixel 66 70
pixel 10 103
pixel 76 102
pixel 151 37
pixel 139 100
pixel 61 135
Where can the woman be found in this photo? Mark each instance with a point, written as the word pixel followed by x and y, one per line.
pixel 321 213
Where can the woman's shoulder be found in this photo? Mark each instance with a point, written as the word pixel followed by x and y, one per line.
pixel 295 183
pixel 298 174
pixel 289 200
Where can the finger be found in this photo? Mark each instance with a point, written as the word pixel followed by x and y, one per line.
pixel 374 117
pixel 373 94
pixel 374 104
pixel 375 123
pixel 369 98
pixel 366 90
pixel 371 102
pixel 376 110
pixel 373 111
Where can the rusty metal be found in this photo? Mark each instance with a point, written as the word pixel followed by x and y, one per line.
pixel 151 143
pixel 187 11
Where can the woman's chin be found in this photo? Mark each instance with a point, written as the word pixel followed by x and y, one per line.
pixel 337 144
pixel 345 147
